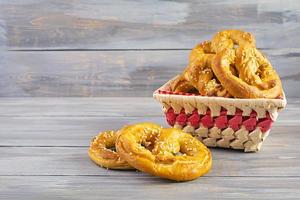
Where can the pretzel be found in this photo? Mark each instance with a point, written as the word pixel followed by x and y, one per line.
pixel 199 72
pixel 168 153
pixel 227 39
pixel 100 153
pixel 181 85
pixel 257 78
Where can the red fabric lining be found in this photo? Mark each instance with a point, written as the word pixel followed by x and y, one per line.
pixel 177 93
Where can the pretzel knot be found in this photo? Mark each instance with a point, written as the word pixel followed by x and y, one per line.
pixel 181 85
pixel 229 65
pixel 168 153
pixel 199 72
pixel 256 76
pixel 228 39
pixel 102 152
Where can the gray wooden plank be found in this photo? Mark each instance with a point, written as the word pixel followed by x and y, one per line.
pixel 77 131
pixel 32 140
pixel 131 24
pixel 45 171
pixel 80 106
pixel 111 73
pixel 61 131
pixel 276 159
pixel 100 106
pixel 147 187
pixel 73 121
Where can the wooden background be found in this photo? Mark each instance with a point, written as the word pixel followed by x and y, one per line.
pixel 129 48
pixel 56 54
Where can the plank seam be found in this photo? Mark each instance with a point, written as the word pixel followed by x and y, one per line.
pixel 95 49
pixel 141 173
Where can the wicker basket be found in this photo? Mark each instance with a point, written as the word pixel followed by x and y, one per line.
pixel 220 122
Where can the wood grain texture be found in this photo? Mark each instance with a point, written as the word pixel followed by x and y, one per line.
pixel 125 24
pixel 61 131
pixel 273 160
pixel 111 73
pixel 121 51
pixel 44 141
pixel 83 107
pixel 147 187
pixel 77 131
pixel 104 107
pixel 74 121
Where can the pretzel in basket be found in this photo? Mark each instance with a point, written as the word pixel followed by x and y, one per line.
pixel 102 153
pixel 168 153
pixel 181 85
pixel 199 72
pixel 257 78
pixel 229 39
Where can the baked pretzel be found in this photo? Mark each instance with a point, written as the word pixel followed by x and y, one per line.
pixel 257 78
pixel 181 85
pixel 101 153
pixel 199 72
pixel 229 65
pixel 168 153
pixel 227 39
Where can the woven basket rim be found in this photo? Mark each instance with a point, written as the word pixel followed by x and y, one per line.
pixel 279 103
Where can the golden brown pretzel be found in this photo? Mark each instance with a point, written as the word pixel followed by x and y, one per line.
pixel 257 79
pixel 197 62
pixel 168 153
pixel 227 39
pixel 100 153
pixel 181 85
pixel 199 72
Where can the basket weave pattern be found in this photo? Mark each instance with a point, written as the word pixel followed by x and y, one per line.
pixel 221 122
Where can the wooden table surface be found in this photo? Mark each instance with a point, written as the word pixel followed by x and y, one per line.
pixel 69 69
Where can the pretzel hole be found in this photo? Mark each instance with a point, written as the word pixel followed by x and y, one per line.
pixel 179 153
pixel 113 148
pixel 233 70
pixel 193 91
pixel 182 151
pixel 110 146
pixel 147 144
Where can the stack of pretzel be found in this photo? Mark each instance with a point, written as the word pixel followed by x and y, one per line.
pixel 229 65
